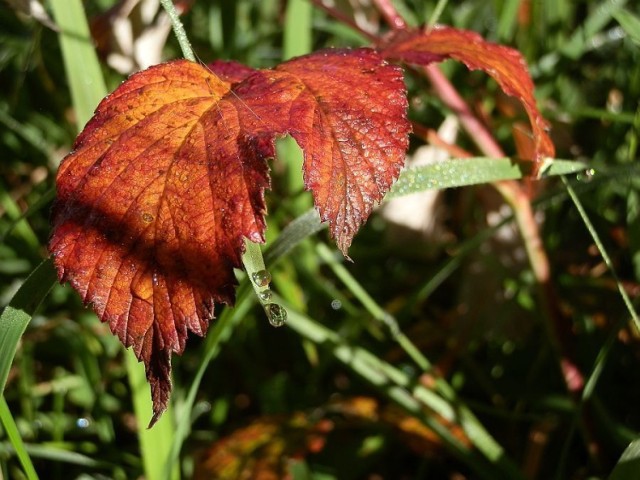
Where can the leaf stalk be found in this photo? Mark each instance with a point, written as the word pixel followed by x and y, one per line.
pixel 178 30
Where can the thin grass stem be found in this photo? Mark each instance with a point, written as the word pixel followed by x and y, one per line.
pixel 603 251
pixel 437 12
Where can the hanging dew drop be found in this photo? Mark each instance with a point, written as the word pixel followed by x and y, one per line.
pixel 261 278
pixel 276 314
pixel 586 176
pixel 265 295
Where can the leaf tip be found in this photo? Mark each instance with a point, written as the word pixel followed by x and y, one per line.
pixel 158 370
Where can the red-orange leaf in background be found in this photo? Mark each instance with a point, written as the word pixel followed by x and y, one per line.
pixel 504 64
pixel 168 178
pixel 264 449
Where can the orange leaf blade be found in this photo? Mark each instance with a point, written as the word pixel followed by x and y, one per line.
pixel 355 137
pixel 152 208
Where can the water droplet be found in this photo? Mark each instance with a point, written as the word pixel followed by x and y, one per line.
pixel 336 304
pixel 147 217
pixel 276 313
pixel 586 176
pixel 266 295
pixel 82 422
pixel 261 278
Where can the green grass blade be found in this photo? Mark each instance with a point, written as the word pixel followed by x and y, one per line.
pixel 376 311
pixel 476 432
pixel 84 75
pixel 582 38
pixel 297 39
pixel 57 454
pixel 297 29
pixel 220 333
pixel 605 349
pixel 14 320
pixel 20 227
pixel 158 439
pixel 471 171
pixel 253 262
pixel 34 139
pixel 630 23
pixel 451 173
pixel 14 436
pixel 437 12
pixel 17 315
pixel 414 398
pixel 508 21
pixel 628 466
pixel 603 252
pixel 35 207
pixel 602 114
pixel 302 227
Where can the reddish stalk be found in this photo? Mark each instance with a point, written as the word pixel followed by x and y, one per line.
pixel 511 191
pixel 452 99
pixel 390 14
pixel 515 195
pixel 430 136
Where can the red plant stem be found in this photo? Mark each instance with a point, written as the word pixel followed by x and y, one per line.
pixel 515 195
pixel 512 192
pixel 390 14
pixel 452 99
pixel 430 136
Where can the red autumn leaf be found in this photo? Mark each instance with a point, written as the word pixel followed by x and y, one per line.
pixel 504 64
pixel 412 431
pixel 169 175
pixel 355 137
pixel 264 448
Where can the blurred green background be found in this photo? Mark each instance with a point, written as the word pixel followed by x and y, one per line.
pixel 448 307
